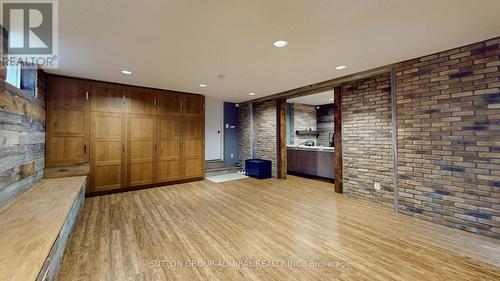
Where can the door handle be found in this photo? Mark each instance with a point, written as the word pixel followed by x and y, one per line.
pixel 84 149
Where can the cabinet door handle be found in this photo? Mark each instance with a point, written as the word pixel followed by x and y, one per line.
pixel 84 149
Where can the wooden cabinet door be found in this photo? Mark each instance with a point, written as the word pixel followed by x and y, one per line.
pixel 169 161
pixel 194 105
pixel 108 138
pixel 169 103
pixel 291 156
pixel 107 98
pixel 107 151
pixel 67 135
pixel 140 136
pixel 193 152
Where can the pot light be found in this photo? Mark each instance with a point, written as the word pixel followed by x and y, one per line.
pixel 340 67
pixel 330 99
pixel 280 44
pixel 252 94
pixel 203 85
pixel 126 72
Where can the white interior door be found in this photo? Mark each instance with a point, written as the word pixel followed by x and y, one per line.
pixel 213 129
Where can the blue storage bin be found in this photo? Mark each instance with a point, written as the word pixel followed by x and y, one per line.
pixel 258 168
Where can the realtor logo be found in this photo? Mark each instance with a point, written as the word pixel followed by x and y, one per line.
pixel 30 28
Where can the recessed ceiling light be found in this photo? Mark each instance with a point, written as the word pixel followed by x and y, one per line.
pixel 252 94
pixel 330 99
pixel 340 67
pixel 280 44
pixel 203 85
pixel 126 72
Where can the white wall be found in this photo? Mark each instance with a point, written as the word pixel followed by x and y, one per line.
pixel 214 117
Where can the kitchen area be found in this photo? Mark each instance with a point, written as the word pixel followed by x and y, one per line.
pixel 310 136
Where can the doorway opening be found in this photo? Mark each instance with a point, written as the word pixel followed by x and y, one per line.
pixel 310 136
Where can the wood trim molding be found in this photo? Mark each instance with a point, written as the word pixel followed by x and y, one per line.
pixel 326 85
pixel 337 133
pixel 281 138
pixel 121 84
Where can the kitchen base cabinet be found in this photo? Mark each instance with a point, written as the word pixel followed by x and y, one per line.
pixel 311 162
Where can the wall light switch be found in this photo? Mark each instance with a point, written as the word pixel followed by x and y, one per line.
pixel 232 155
pixel 376 185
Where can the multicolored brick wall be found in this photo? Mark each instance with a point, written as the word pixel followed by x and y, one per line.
pixel 245 132
pixel 264 134
pixel 366 139
pixel 448 118
pixel 266 142
pixel 448 112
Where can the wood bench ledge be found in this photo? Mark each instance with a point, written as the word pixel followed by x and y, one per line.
pixel 35 226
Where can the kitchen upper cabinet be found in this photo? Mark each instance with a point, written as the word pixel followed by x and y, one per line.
pixel 67 137
pixel 141 129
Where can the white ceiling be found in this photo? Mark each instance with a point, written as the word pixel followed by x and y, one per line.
pixel 178 44
pixel 315 99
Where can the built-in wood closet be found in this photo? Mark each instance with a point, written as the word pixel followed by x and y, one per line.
pixel 131 137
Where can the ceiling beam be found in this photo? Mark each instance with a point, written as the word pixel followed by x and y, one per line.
pixel 327 85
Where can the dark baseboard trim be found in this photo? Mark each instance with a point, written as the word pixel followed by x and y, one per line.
pixel 135 188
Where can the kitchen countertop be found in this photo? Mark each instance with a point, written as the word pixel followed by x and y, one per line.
pixel 311 148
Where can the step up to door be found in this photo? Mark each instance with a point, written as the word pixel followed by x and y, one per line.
pixel 218 166
pixel 214 164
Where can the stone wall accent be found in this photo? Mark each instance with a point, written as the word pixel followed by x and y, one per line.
pixel 324 124
pixel 366 134
pixel 449 137
pixel 266 142
pixel 303 118
pixel 245 132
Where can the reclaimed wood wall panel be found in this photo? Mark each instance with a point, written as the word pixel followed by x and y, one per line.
pixel 22 138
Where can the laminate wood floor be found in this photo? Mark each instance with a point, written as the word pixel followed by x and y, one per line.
pixel 294 229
